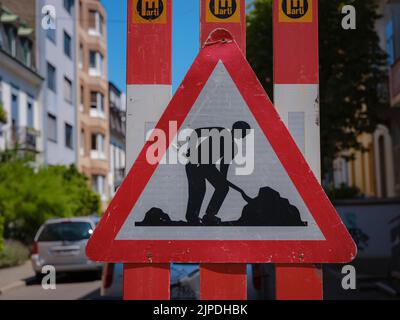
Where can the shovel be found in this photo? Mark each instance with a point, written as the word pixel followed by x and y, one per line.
pixel 244 195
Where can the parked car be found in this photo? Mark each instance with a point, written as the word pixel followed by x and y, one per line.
pixel 61 243
pixel 112 281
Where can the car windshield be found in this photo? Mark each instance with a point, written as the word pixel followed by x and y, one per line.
pixel 67 231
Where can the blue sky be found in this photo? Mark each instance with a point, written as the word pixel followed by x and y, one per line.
pixel 185 38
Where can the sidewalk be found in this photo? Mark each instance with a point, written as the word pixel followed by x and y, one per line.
pixel 14 277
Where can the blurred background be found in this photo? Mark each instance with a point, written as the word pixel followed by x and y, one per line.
pixel 62 138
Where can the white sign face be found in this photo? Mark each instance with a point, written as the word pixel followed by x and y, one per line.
pixel 195 201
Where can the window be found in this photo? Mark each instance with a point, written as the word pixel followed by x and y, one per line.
pixel 81 56
pixel 1 90
pixel 96 105
pixel 92 60
pixel 82 99
pixel 72 232
pixel 67 90
pixel 80 10
pixel 92 19
pixel 1 40
pixel 26 46
pixel 389 42
pixel 382 165
pixel 51 127
pixel 96 23
pixel 100 64
pixel 115 100
pixel 14 110
pixel 51 77
pixel 11 40
pixel 30 115
pixel 69 143
pixel 68 4
pixel 97 146
pixel 82 144
pixel 98 185
pixel 101 25
pixel 67 45
pixel 95 64
pixel 51 32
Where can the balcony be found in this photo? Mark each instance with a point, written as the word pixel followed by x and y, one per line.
pixel 25 138
pixel 394 80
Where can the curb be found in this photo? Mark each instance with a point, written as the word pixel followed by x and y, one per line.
pixel 14 285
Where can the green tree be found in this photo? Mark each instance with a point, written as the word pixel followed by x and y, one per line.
pixel 3 114
pixel 1 233
pixel 353 83
pixel 29 196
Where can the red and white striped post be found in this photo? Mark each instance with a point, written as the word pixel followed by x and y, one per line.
pixel 296 97
pixel 149 90
pixel 223 281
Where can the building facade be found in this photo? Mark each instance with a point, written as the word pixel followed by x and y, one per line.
pixel 117 137
pixel 92 86
pixel 391 40
pixel 54 92
pixel 57 64
pixel 20 82
pixel 373 171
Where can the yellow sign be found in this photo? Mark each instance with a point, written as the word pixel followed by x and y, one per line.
pixel 223 11
pixel 149 11
pixel 295 11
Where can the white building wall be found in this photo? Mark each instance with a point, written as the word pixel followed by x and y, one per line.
pixel 54 102
pixel 11 83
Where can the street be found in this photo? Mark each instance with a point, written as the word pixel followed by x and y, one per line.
pixel 69 287
pixel 19 283
pixel 86 286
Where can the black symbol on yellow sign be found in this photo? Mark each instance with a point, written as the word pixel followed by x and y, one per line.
pixel 150 9
pixel 223 9
pixel 295 9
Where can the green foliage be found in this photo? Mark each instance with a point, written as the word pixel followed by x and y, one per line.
pixel 353 82
pixel 14 254
pixel 28 197
pixel 3 114
pixel 1 233
pixel 342 193
pixel 260 42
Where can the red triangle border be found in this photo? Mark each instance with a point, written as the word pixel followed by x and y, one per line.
pixel 338 247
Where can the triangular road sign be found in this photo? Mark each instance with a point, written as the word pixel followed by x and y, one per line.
pixel 176 212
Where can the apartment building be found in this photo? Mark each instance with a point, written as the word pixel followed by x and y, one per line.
pixel 92 87
pixel 20 82
pixel 117 137
pixel 57 64
pixel 374 171
pixel 392 42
